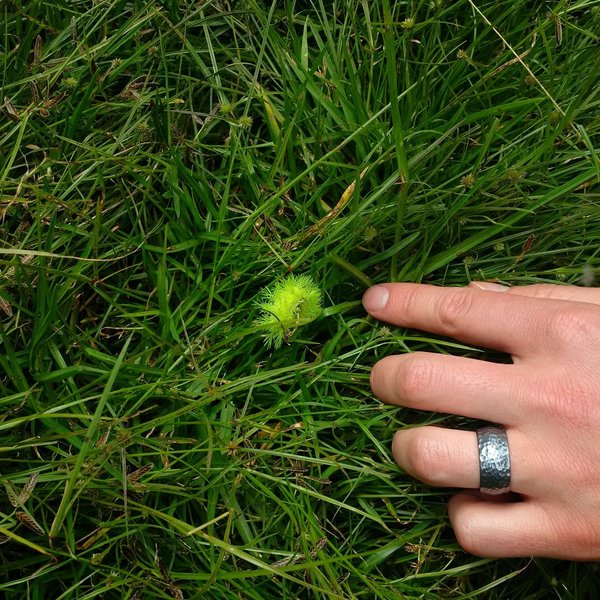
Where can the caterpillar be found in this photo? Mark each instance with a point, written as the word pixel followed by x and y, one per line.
pixel 287 305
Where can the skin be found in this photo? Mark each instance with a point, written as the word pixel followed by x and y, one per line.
pixel 548 400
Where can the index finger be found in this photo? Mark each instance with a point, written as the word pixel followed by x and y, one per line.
pixel 505 322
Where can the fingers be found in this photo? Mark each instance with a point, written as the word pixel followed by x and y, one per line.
pixel 506 322
pixel 450 458
pixel 556 292
pixel 496 526
pixel 438 456
pixel 451 384
pixel 498 530
pixel 544 400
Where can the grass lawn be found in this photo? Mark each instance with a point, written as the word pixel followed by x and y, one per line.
pixel 160 164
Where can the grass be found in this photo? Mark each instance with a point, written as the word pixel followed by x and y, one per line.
pixel 160 164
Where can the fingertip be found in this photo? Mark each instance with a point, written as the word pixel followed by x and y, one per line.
pixel 397 446
pixel 376 298
pixel 373 378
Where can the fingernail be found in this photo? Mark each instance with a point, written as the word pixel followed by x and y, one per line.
pixel 376 298
pixel 489 286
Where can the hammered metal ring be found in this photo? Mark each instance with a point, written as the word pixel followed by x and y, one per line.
pixel 494 460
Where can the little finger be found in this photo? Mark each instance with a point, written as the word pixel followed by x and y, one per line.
pixel 498 530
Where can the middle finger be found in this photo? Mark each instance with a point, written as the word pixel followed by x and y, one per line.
pixel 452 384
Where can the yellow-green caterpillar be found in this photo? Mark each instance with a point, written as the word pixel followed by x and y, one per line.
pixel 285 306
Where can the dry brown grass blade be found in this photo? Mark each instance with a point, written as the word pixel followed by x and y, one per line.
pixel 517 59
pixel 334 212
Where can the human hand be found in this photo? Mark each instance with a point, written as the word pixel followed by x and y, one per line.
pixel 548 400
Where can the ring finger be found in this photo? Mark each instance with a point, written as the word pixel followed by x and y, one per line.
pixel 450 458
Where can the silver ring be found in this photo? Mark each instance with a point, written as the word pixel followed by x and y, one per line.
pixel 494 460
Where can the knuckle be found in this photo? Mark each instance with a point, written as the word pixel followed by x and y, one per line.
pixel 453 307
pixel 415 377
pixel 405 302
pixel 570 399
pixel 576 326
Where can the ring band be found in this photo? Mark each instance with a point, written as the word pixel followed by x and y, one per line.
pixel 494 460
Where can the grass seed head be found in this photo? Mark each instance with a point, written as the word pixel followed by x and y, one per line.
pixel 468 181
pixel 245 122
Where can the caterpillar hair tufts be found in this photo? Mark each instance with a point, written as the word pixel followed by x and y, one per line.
pixel 286 305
